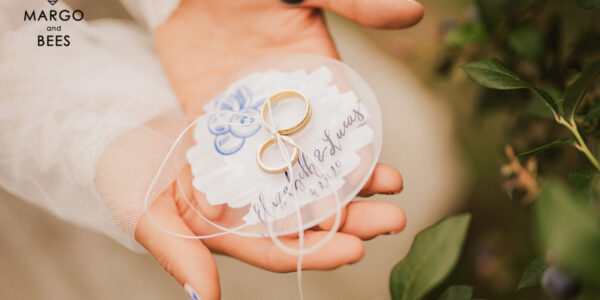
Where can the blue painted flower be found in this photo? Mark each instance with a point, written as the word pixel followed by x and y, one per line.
pixel 229 137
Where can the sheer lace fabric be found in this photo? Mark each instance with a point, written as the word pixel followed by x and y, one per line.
pixel 84 127
pixel 150 12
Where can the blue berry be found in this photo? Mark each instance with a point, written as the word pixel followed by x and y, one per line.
pixel 560 284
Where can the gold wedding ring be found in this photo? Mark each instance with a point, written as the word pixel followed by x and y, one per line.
pixel 262 150
pixel 284 131
pixel 286 95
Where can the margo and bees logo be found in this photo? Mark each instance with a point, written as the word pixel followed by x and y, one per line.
pixel 55 36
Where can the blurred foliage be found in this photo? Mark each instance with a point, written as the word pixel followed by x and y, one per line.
pixel 457 292
pixel 569 230
pixel 532 275
pixel 536 212
pixel 432 257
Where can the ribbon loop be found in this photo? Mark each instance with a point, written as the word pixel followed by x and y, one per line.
pixel 279 134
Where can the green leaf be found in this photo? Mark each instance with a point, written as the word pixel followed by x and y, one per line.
pixel 532 275
pixel 582 176
pixel 457 292
pixel 491 73
pixel 594 112
pixel 589 4
pixel 566 140
pixel 547 98
pixel 431 258
pixel 528 43
pixel 466 34
pixel 491 11
pixel 537 107
pixel 569 230
pixel 575 92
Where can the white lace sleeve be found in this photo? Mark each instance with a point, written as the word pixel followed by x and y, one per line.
pixel 83 127
pixel 151 12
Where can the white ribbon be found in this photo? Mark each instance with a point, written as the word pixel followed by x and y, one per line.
pixel 279 141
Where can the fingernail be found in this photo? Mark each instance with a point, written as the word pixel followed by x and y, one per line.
pixel 415 2
pixel 191 293
pixel 292 1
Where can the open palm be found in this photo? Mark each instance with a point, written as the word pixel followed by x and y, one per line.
pixel 203 41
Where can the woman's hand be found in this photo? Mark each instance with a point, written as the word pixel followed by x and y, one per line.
pixel 203 41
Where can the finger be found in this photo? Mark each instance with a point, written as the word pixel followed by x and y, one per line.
pixel 384 180
pixel 342 249
pixel 187 195
pixel 188 261
pixel 329 222
pixel 367 220
pixel 374 13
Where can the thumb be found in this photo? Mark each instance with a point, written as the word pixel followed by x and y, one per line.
pixel 373 13
pixel 187 260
